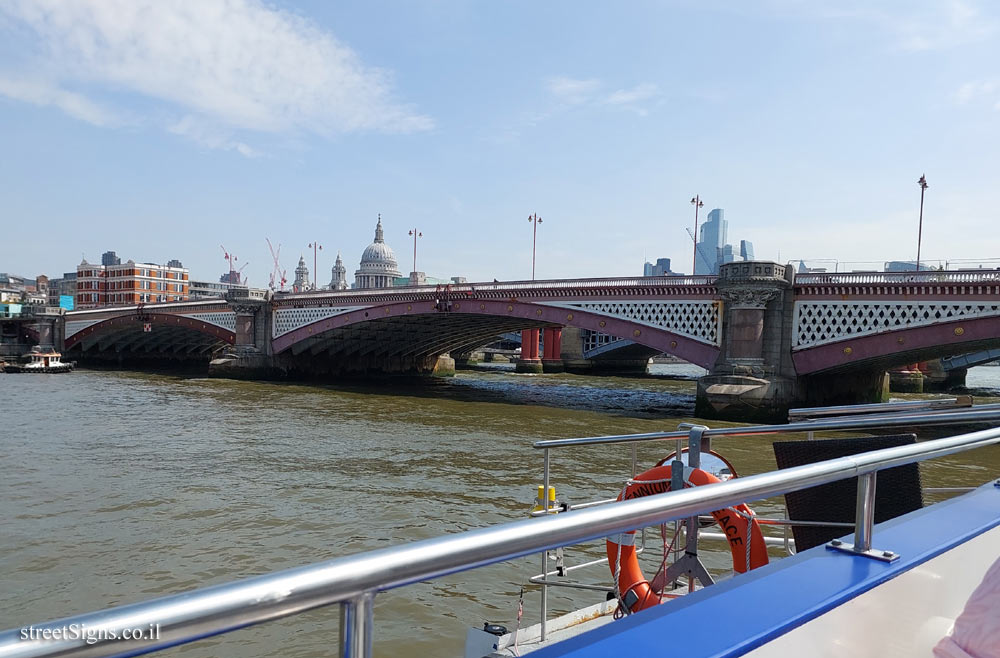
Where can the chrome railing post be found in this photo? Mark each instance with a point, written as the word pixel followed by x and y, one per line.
pixel 864 522
pixel 545 554
pixel 696 444
pixel 689 565
pixel 357 626
pixel 864 513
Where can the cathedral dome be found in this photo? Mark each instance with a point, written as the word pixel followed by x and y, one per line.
pixel 378 264
pixel 379 253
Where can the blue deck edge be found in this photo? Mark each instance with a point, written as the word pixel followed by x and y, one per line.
pixel 743 613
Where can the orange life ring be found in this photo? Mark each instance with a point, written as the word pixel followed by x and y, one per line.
pixel 734 522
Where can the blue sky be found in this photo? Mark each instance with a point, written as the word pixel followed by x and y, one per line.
pixel 166 129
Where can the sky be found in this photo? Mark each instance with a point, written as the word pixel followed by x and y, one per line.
pixel 165 129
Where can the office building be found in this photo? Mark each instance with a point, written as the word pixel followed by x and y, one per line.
pixel 661 268
pixel 207 290
pixel 905 266
pixel 713 248
pixel 129 283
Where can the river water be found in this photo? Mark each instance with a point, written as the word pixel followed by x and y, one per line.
pixel 122 486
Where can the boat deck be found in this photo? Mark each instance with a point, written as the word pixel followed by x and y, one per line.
pixel 954 541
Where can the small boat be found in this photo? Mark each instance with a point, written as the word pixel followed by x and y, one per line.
pixel 40 360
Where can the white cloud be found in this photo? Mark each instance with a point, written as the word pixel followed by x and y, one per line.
pixel 40 92
pixel 636 94
pixel 977 89
pixel 944 25
pixel 233 64
pixel 912 25
pixel 571 91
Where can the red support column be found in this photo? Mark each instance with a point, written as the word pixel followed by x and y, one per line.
pixel 529 361
pixel 552 359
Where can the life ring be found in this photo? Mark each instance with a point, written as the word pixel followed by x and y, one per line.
pixel 737 522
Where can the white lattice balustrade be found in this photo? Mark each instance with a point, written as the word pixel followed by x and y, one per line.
pixel 224 319
pixel 698 320
pixel 76 326
pixel 821 322
pixel 286 320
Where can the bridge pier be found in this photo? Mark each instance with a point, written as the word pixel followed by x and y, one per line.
pixel 552 355
pixel 50 327
pixel 529 361
pixel 823 390
pixel 444 366
pixel 936 378
pixel 907 379
pixel 753 379
pixel 250 356
pixel 571 353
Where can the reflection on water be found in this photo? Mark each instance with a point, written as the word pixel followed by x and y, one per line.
pixel 122 486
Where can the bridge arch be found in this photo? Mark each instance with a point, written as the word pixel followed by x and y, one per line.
pixel 423 328
pixel 899 347
pixel 169 336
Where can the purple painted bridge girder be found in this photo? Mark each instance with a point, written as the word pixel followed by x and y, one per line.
pixel 131 320
pixel 661 340
pixel 900 346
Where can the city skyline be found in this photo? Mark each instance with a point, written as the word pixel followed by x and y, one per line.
pixel 809 126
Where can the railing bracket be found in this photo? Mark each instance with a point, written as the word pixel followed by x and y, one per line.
pixel 873 553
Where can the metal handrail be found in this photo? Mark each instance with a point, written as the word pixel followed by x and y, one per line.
pixel 539 284
pixel 354 580
pixel 896 420
pixel 922 277
pixel 937 412
pixel 962 401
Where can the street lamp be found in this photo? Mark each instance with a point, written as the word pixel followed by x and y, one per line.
pixel 416 234
pixel 535 220
pixel 920 230
pixel 315 246
pixel 697 203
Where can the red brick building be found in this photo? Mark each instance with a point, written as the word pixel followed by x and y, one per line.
pixel 129 283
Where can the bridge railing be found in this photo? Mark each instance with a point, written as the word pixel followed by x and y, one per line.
pixel 512 287
pixel 922 277
pixel 151 307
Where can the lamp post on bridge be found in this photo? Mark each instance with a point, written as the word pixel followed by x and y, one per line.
pixel 315 246
pixel 535 220
pixel 697 203
pixel 920 227
pixel 416 234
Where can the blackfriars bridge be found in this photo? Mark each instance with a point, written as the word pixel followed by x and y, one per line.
pixel 769 338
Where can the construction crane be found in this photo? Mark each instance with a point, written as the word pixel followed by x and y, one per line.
pixel 239 274
pixel 278 279
pixel 234 276
pixel 698 247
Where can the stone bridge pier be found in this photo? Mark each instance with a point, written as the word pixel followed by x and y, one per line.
pixel 250 356
pixel 50 327
pixel 754 378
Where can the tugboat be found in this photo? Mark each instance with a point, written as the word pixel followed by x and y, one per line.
pixel 39 360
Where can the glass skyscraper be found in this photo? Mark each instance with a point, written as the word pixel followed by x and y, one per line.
pixel 713 249
pixel 712 240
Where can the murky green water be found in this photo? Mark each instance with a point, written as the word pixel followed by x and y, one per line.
pixel 118 487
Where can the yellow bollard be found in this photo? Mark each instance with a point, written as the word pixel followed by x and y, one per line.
pixel 540 502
